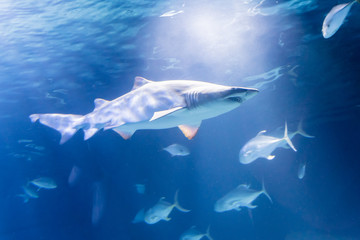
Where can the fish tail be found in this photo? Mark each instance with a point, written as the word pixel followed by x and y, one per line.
pixel 24 196
pixel 177 205
pixel 301 131
pixel 66 124
pixel 207 234
pixel 265 192
pixel 287 139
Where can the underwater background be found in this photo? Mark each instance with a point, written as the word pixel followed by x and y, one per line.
pixel 58 56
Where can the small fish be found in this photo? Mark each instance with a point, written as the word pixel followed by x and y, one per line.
pixel 161 210
pixel 140 188
pixel 74 175
pixel 98 202
pixel 28 193
pixel 25 141
pixel 171 13
pixel 194 234
pixel 177 150
pixel 301 171
pixel 44 182
pixel 34 146
pixel 242 196
pixel 262 146
pixel 335 18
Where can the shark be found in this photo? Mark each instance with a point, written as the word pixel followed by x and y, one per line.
pixel 152 105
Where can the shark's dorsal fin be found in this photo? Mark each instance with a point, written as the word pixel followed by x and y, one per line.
pixel 190 130
pixel 242 186
pixel 261 132
pixel 140 81
pixel 99 102
pixel 123 134
pixel 161 114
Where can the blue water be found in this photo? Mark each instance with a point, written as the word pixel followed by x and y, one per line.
pixel 58 56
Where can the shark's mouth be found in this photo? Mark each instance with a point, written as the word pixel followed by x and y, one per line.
pixel 235 99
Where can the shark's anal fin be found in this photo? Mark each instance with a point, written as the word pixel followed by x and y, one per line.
pixel 190 130
pixel 161 114
pixel 124 134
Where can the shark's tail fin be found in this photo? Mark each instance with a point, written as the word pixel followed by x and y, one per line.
pixel 287 139
pixel 66 124
pixel 207 234
pixel 177 205
pixel 265 192
pixel 301 131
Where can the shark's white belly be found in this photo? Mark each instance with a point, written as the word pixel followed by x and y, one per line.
pixel 191 117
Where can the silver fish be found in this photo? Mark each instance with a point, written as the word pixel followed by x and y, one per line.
pixel 44 182
pixel 140 188
pixel 152 105
pixel 194 234
pixel 301 170
pixel 161 210
pixel 28 193
pixel 262 146
pixel 242 196
pixel 335 18
pixel 177 150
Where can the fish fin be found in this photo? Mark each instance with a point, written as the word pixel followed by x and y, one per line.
pixel 124 134
pixel 164 113
pixel 261 132
pixel 99 102
pixel 263 190
pixel 24 196
pixel 66 124
pixel 167 219
pixel 251 206
pixel 287 139
pixel 88 133
pixel 207 234
pixel 177 205
pixel 190 130
pixel 140 81
pixel 139 216
pixel 247 186
pixel 270 157
pixel 301 131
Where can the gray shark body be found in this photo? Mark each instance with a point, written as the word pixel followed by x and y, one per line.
pixel 152 105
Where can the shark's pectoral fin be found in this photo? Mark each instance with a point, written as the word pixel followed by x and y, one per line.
pixel 124 134
pixel 164 113
pixel 190 130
